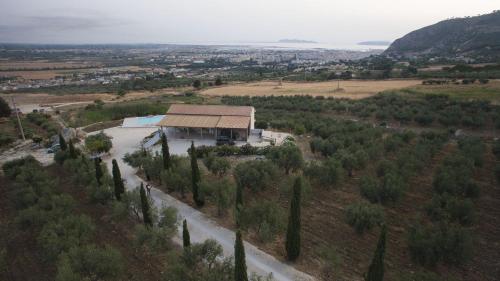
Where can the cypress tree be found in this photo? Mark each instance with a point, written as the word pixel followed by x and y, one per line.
pixel 72 150
pixel 186 239
pixel 240 266
pixel 376 269
pixel 146 209
pixel 293 230
pixel 195 178
pixel 165 151
pixel 98 170
pixel 62 142
pixel 117 180
pixel 239 196
pixel 239 204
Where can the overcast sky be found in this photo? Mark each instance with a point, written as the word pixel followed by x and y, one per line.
pixel 223 21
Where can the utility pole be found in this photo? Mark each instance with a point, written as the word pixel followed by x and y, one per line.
pixel 338 80
pixel 18 119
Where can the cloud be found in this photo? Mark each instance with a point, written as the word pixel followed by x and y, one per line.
pixel 30 24
pixel 70 22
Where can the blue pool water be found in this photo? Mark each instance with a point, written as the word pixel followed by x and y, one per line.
pixel 149 120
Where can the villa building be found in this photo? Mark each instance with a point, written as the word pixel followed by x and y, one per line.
pixel 210 121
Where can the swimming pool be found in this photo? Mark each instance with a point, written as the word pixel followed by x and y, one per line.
pixel 149 120
pixel 145 121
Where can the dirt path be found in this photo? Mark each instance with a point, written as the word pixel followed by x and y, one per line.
pixel 26 148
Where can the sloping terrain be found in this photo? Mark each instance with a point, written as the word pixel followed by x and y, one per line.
pixel 472 36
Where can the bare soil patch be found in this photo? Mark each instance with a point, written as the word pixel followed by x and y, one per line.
pixel 34 71
pixel 32 74
pixel 352 89
pixel 45 64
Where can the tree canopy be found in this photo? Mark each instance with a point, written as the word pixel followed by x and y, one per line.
pixel 98 143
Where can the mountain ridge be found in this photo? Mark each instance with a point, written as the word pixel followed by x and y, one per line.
pixel 475 37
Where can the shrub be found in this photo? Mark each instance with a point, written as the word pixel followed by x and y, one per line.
pixel 496 149
pixel 256 174
pixel 14 167
pixel 58 237
pixel 220 192
pixel 82 171
pixel 90 263
pixel 363 216
pixel 205 259
pixel 261 124
pixel 100 193
pixel 327 173
pixel 287 157
pixel 4 108
pixel 44 209
pixel 332 260
pixel 137 158
pixel 217 165
pixel 132 199
pixel 98 143
pixel 384 167
pixel 424 118
pixel 168 218
pixel 153 166
pixel 119 210
pixel 423 276
pixel 455 177
pixel 266 217
pixel 450 208
pixel 369 188
pixel 61 156
pixel 446 243
pixel 361 158
pixel 6 139
pixel 393 142
pixel 154 239
pixel 178 177
pixel 392 188
pixel 389 190
pixel 286 189
pixel 472 148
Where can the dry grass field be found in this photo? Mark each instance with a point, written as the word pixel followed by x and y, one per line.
pixel 52 73
pixel 354 89
pixel 490 91
pixel 32 74
pixel 43 98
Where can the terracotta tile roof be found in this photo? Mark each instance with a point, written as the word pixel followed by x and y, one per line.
pixel 233 122
pixel 189 121
pixel 213 110
pixel 205 121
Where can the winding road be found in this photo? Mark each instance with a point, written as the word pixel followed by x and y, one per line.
pixel 201 227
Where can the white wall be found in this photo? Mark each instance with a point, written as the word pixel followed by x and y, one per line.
pixel 252 119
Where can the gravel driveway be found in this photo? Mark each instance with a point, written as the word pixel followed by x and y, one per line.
pixel 200 226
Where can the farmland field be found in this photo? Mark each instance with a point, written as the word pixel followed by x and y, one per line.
pixel 490 91
pixel 52 71
pixel 355 89
pixel 47 100
pixel 44 64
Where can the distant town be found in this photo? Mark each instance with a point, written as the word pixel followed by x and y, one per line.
pixel 47 67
